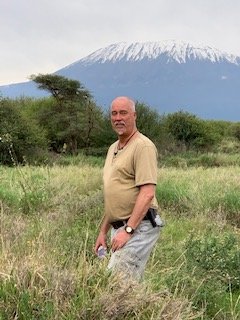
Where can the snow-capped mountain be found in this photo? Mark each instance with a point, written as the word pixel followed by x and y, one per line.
pixel 167 76
pixel 175 51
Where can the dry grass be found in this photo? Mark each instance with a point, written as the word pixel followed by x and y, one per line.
pixel 131 300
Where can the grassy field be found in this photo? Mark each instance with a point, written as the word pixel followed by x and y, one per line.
pixel 49 222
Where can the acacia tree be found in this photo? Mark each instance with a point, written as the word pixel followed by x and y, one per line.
pixel 92 118
pixel 61 88
pixel 63 119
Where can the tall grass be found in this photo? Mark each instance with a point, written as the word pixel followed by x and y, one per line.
pixel 205 160
pixel 49 219
pixel 212 192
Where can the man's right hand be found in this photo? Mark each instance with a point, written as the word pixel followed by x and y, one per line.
pixel 101 241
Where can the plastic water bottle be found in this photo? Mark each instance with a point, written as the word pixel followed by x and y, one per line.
pixel 159 221
pixel 101 252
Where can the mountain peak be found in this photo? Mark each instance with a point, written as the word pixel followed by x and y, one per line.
pixel 179 52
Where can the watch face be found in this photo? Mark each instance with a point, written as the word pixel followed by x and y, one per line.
pixel 129 229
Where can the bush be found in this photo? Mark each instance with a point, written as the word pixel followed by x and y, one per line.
pixel 209 273
pixel 216 257
pixel 230 146
pixel 236 130
pixel 19 139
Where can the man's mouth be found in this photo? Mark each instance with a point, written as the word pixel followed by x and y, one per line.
pixel 119 125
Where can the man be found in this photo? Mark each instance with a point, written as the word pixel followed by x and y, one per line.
pixel 130 178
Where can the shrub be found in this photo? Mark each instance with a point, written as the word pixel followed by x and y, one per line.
pixel 208 272
pixel 236 130
pixel 19 139
pixel 217 258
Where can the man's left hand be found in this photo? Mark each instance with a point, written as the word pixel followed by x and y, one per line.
pixel 119 240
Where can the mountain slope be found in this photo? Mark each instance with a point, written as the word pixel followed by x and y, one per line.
pixel 168 76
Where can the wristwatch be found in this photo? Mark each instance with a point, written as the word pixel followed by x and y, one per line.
pixel 129 229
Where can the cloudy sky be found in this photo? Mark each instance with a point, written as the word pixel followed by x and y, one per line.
pixel 42 36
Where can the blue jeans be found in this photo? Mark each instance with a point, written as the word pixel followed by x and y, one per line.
pixel 132 258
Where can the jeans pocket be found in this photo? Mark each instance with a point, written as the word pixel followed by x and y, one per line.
pixel 144 227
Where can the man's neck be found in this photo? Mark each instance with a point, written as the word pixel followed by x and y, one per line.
pixel 123 140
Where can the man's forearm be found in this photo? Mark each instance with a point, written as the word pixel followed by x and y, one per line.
pixel 142 205
pixel 105 226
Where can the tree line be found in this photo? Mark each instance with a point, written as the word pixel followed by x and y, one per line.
pixel 69 122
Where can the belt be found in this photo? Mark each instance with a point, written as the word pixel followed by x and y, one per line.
pixel 121 223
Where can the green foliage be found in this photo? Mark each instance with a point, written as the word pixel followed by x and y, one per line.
pixel 214 260
pixel 38 130
pixel 93 126
pixel 105 135
pixel 19 138
pixel 236 130
pixel 217 257
pixel 70 128
pixel 221 128
pixel 73 118
pixel 183 126
pixel 62 125
pixel 149 122
pixel 207 137
pixel 191 131
pixel 207 270
pixel 61 88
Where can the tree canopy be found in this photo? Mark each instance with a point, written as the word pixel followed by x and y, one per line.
pixel 61 88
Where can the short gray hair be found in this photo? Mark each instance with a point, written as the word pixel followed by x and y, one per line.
pixel 131 102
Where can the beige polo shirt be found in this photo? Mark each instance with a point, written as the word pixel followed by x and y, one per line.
pixel 131 167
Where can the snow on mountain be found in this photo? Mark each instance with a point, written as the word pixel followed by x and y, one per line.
pixel 175 51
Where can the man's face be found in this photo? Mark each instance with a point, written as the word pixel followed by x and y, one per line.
pixel 123 118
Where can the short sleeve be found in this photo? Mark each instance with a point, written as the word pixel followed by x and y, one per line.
pixel 145 163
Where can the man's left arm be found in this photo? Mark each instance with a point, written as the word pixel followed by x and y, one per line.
pixel 144 198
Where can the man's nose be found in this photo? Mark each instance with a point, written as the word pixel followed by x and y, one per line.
pixel 117 116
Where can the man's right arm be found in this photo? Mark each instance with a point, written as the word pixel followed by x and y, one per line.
pixel 102 237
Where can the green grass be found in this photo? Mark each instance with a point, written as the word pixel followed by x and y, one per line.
pixel 49 219
pixel 205 160
pixel 213 191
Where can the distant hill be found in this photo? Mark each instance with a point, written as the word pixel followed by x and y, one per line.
pixel 167 76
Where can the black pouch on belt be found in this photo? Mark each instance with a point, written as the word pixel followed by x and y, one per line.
pixel 151 214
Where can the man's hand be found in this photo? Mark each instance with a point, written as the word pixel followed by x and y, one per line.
pixel 101 241
pixel 120 239
pixel 102 237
